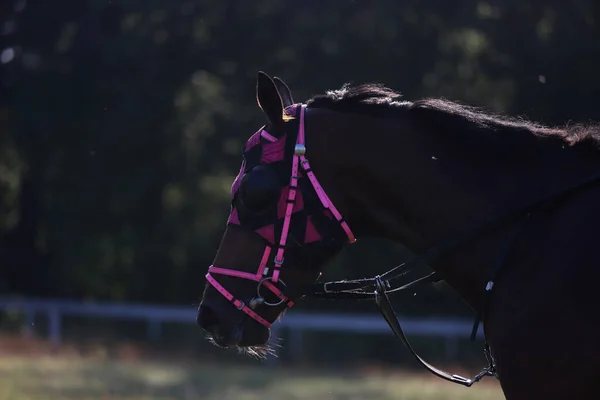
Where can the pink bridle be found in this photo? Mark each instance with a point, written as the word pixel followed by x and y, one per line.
pixel 262 274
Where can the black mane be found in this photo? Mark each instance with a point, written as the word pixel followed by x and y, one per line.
pixel 368 98
pixel 379 100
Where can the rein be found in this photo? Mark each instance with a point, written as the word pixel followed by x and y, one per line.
pixel 380 286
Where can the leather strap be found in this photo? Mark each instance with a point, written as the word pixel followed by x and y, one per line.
pixel 391 318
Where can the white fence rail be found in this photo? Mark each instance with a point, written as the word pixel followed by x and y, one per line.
pixel 296 322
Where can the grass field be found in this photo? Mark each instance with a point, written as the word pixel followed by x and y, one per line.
pixel 78 378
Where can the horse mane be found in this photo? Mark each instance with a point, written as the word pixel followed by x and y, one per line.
pixel 378 100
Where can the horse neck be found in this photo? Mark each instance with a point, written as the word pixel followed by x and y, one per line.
pixel 397 181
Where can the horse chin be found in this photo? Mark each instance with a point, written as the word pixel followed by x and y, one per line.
pixel 255 344
pixel 260 352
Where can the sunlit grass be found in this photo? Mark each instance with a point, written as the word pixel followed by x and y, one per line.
pixel 49 378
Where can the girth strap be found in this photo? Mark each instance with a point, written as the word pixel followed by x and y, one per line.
pixel 493 275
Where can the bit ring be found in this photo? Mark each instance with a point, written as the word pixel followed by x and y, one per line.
pixel 260 284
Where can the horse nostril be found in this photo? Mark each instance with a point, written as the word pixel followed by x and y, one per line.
pixel 206 317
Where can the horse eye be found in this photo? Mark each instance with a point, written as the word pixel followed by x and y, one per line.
pixel 259 189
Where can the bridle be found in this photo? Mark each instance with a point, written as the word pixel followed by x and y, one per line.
pixel 264 276
pixel 378 287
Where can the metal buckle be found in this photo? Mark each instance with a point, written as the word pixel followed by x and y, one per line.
pixel 241 306
pixel 379 289
pixel 299 150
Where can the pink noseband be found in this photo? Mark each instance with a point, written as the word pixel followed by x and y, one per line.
pixel 262 274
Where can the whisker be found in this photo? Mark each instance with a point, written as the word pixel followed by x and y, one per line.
pixel 257 352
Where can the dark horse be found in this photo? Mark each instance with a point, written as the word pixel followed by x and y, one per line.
pixel 504 210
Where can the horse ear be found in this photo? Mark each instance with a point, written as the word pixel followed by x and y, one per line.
pixel 268 98
pixel 284 92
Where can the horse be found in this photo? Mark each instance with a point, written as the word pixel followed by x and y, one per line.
pixel 503 209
